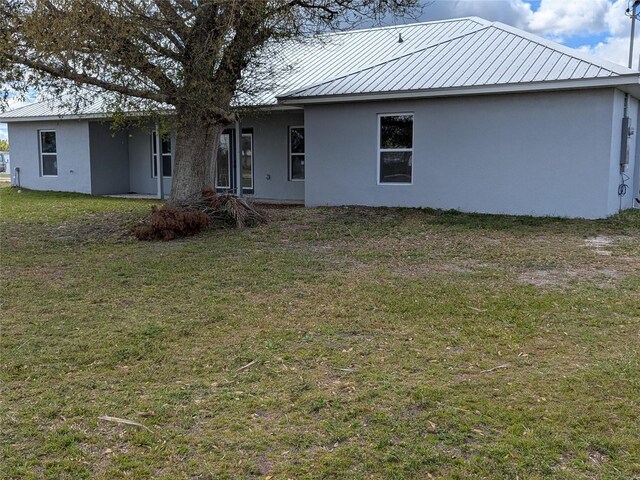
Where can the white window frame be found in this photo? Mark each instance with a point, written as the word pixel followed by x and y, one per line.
pixel 250 135
pixel 382 150
pixel 40 132
pixel 154 174
pixel 291 154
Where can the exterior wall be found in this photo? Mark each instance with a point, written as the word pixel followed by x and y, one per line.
pixel 635 190
pixel 271 155
pixel 109 160
pixel 526 154
pixel 72 142
pixel 616 203
pixel 141 179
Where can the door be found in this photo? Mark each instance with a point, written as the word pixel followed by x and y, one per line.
pixel 226 162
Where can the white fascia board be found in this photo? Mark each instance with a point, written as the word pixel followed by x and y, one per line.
pixel 632 82
pixel 52 118
pixel 102 116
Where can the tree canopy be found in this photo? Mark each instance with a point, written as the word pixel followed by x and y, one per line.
pixel 194 56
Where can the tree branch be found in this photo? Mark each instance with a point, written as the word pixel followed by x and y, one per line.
pixel 67 73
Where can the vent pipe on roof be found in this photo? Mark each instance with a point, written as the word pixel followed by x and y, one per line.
pixel 400 40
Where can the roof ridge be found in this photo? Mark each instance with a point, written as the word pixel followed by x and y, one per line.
pixel 370 67
pixel 479 20
pixel 572 52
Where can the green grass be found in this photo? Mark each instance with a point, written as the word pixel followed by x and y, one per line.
pixel 388 343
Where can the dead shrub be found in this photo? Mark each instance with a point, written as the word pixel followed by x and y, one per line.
pixel 189 218
pixel 233 211
pixel 169 222
pixel 227 210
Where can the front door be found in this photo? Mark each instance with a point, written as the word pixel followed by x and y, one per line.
pixel 226 162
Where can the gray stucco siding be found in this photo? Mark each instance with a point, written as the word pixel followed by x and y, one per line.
pixel 525 154
pixel 271 155
pixel 141 179
pixel 73 157
pixel 109 159
pixel 615 179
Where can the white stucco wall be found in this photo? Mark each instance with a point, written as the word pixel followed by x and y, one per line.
pixel 72 139
pixel 526 154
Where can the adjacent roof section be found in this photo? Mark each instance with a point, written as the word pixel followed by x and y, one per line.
pixel 52 110
pixel 492 57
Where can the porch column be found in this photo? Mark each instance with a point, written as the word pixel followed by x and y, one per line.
pixel 238 158
pixel 160 189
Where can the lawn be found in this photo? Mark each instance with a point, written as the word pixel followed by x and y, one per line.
pixel 340 343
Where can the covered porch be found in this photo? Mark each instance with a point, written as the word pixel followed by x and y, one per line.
pixel 261 157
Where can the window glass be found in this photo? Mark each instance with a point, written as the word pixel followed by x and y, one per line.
pixel 223 162
pixel 396 131
pixel 395 167
pixel 48 142
pixel 246 146
pixel 296 153
pixel 50 165
pixel 297 167
pixel 167 164
pixel 297 140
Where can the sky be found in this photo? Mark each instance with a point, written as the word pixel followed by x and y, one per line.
pixel 599 27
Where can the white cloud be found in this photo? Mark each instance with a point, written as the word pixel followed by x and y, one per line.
pixel 512 12
pixel 615 47
pixel 557 20
pixel 560 18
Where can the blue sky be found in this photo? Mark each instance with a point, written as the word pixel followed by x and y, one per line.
pixel 599 27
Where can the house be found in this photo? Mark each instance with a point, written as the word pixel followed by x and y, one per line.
pixel 460 114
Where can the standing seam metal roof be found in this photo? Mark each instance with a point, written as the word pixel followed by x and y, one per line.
pixel 495 54
pixel 448 54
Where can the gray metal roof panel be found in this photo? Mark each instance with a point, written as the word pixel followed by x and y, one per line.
pixel 492 55
pixel 449 54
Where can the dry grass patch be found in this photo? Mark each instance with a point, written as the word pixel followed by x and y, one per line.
pixel 328 343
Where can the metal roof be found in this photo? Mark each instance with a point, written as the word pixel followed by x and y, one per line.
pixel 56 109
pixel 442 57
pixel 494 55
pixel 336 54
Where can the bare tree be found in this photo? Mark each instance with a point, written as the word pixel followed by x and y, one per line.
pixel 192 56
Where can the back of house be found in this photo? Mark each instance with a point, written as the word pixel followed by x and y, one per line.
pixel 460 114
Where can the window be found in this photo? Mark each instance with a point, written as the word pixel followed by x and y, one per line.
pixel 223 162
pixel 395 148
pixel 166 155
pixel 296 153
pixel 246 147
pixel 48 153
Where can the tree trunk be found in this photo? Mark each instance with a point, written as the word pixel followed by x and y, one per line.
pixel 194 162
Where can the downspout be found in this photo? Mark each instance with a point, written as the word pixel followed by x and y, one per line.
pixel 238 158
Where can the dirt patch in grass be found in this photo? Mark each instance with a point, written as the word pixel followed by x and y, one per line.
pixel 568 277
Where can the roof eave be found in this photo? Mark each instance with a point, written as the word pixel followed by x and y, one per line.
pixel 52 118
pixel 627 83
